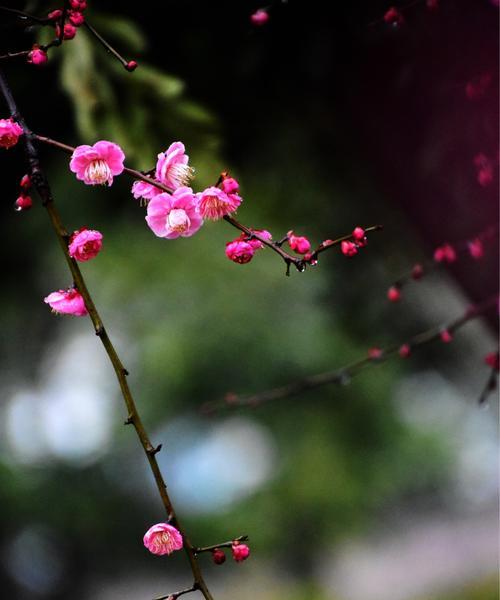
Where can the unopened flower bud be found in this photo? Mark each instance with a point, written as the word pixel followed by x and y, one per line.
pixel 348 248
pixel 218 556
pixel 446 336
pixel 417 272
pixel 394 294
pixel 260 17
pixel 37 56
pixel 23 203
pixel 240 552
pixel 404 351
pixel 131 65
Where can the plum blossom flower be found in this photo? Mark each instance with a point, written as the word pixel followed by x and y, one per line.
pixel 240 552
pixel 348 248
pixel 173 215
pixel 85 244
pixel 37 56
pixel 9 133
pixel 172 167
pixel 214 204
pixel 239 251
pixel 67 302
pixel 97 164
pixel 259 17
pixel 162 538
pixel 299 244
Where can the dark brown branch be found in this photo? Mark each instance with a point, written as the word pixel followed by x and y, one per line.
pixel 345 374
pixel 107 46
pixel 41 184
pixel 228 544
pixel 175 595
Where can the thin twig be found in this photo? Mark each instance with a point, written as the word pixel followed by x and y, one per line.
pixel 42 186
pixel 346 373
pixel 175 595
pixel 228 544
pixel 109 48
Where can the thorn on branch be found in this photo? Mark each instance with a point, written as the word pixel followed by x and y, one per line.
pixel 99 330
pixel 152 450
pixel 129 420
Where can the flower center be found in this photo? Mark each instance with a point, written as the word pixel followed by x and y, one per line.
pixel 177 220
pixel 180 174
pixel 98 172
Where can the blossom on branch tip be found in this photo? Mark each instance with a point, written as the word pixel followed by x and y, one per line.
pixel 214 204
pixel 299 244
pixel 85 244
pixel 131 65
pixel 69 31
pixel 76 18
pixel 37 56
pixel 239 251
pixel 174 215
pixel 259 17
pixel 9 133
pixel 97 164
pixel 240 551
pixel 359 236
pixel 67 302
pixel 162 538
pixel 172 167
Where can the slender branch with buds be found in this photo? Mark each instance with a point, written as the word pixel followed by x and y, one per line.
pixel 41 184
pixel 344 375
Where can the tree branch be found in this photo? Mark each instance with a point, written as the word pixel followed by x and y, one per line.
pixel 42 186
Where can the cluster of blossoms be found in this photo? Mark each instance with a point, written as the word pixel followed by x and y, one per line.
pixel 24 201
pixel 74 19
pixel 359 240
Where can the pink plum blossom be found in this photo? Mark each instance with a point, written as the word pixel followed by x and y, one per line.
pixel 348 248
pixel 97 164
pixel 239 251
pixel 67 302
pixel 445 253
pixel 162 538
pixel 259 17
pixel 476 249
pixel 37 56
pixel 172 167
pixel 145 190
pixel 85 244
pixel 214 204
pixel 173 215
pixel 299 244
pixel 240 552
pixel 9 133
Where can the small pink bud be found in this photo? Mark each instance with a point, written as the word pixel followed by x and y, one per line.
pixel 162 538
pixel 394 293
pixel 417 272
pixel 240 552
pixel 299 244
pixel 394 17
pixel 445 253
pixel 25 182
pixel 230 185
pixel 76 18
pixel 37 56
pixel 10 131
pixel 260 17
pixel 446 336
pixel 54 15
pixel 348 248
pixel 492 359
pixel 485 176
pixel 375 353
pixel 476 249
pixel 69 31
pixel 131 65
pixel 254 242
pixel 239 251
pixel 23 203
pixel 218 556
pixel 404 351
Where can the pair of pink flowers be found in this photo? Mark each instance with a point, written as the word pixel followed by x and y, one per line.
pixel 84 245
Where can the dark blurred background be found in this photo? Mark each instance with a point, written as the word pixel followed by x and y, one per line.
pixel 329 117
